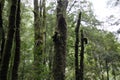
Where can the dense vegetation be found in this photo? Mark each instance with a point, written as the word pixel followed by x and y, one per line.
pixel 55 40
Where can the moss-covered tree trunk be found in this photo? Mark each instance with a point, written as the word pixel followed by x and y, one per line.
pixel 77 48
pixel 39 46
pixel 59 39
pixel 17 47
pixel 9 41
pixel 37 42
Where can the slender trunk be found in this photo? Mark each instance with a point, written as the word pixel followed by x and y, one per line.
pixel 9 74
pixel 44 29
pixel 17 47
pixel 59 39
pixel 77 47
pixel 9 41
pixel 82 57
pixel 2 34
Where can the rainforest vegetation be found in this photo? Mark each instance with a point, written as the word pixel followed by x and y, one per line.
pixel 56 40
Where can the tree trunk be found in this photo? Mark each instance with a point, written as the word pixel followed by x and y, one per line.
pixel 9 41
pixel 2 34
pixel 17 47
pixel 77 48
pixel 59 39
pixel 82 57
pixel 44 29
pixel 37 52
pixel 39 46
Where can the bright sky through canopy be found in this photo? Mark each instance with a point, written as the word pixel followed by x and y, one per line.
pixel 100 8
pixel 103 11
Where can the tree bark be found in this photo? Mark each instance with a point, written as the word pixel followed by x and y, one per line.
pixel 17 47
pixel 81 74
pixel 9 41
pixel 59 39
pixel 44 29
pixel 77 48
pixel 38 46
pixel 2 34
pixel 37 52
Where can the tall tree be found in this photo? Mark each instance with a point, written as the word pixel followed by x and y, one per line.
pixel 39 29
pixel 17 47
pixel 37 42
pixel 83 42
pixel 9 41
pixel 77 47
pixel 59 39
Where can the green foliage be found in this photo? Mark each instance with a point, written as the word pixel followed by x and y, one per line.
pixel 102 45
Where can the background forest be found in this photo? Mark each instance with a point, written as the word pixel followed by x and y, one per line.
pixel 56 40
